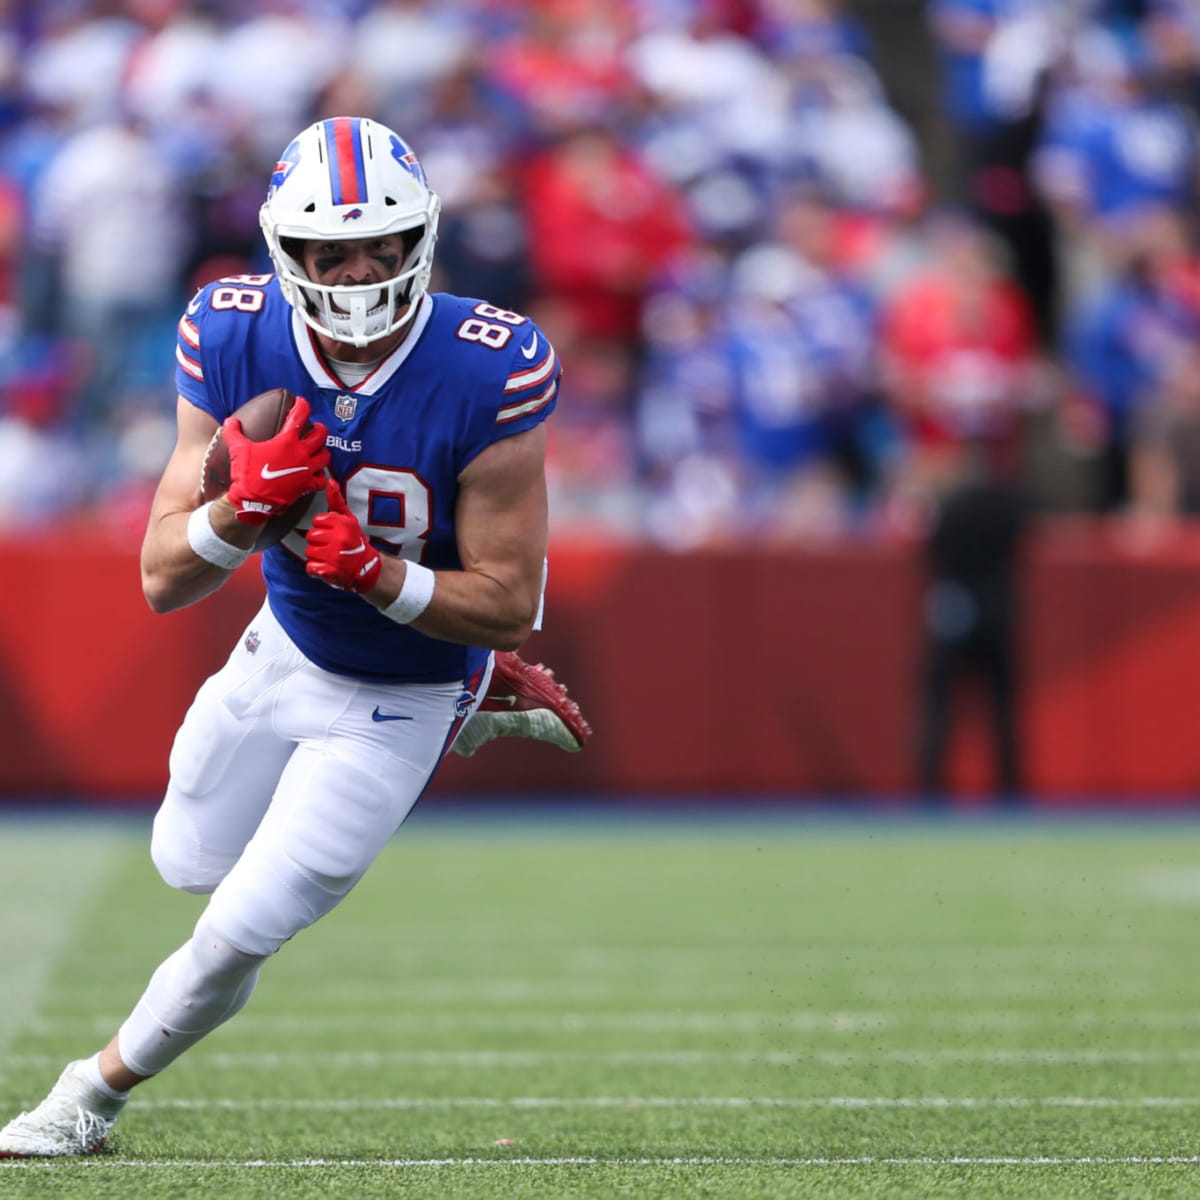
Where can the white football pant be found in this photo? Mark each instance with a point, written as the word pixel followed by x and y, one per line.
pixel 286 783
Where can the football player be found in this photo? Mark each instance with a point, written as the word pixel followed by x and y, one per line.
pixel 394 607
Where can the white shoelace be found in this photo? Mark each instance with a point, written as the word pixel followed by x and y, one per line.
pixel 90 1129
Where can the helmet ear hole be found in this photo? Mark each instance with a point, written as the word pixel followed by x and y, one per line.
pixel 292 247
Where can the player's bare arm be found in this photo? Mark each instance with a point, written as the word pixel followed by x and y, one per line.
pixel 501 521
pixel 501 534
pixel 173 575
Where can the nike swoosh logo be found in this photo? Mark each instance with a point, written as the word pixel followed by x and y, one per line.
pixel 378 716
pixel 530 350
pixel 357 549
pixel 267 473
pixel 511 701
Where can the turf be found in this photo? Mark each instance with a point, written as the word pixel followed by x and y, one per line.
pixel 699 1007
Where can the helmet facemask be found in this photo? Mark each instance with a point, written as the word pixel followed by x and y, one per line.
pixel 357 313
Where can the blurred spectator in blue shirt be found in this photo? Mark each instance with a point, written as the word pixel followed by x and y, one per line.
pixel 1125 344
pixel 842 131
pixel 686 444
pixel 962 31
pixel 760 386
pixel 1110 143
pixel 809 29
pixel 801 338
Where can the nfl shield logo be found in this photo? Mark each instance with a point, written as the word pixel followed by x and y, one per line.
pixel 344 407
pixel 251 642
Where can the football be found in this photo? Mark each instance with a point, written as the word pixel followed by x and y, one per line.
pixel 262 417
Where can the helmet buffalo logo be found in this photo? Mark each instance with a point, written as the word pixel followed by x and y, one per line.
pixel 407 159
pixel 462 706
pixel 352 215
pixel 285 166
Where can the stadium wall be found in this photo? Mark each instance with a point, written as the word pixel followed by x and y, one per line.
pixel 777 673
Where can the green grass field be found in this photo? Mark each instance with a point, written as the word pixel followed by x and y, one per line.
pixel 646 1008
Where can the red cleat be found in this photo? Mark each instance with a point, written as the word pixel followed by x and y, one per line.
pixel 524 701
pixel 518 687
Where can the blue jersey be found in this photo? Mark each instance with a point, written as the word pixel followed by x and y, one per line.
pixel 467 375
pixel 1122 157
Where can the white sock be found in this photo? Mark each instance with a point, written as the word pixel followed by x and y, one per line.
pixel 91 1072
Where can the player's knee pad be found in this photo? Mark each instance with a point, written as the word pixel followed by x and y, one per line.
pixel 184 876
pixel 350 816
pixel 177 853
pixel 270 899
pixel 286 881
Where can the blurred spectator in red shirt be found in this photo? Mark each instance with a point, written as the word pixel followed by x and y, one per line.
pixel 566 67
pixel 959 349
pixel 601 225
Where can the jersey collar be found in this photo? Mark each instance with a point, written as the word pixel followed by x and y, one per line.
pixel 323 377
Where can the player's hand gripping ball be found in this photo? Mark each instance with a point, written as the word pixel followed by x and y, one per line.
pixel 269 460
pixel 337 550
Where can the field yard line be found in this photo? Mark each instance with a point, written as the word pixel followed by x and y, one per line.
pixel 530 991
pixel 673 1020
pixel 569 1022
pixel 96 1164
pixel 49 874
pixel 475 1059
pixel 853 948
pixel 634 1102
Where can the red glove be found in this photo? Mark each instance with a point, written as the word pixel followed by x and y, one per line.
pixel 269 477
pixel 337 552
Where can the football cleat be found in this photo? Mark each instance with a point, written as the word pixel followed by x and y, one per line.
pixel 74 1118
pixel 524 701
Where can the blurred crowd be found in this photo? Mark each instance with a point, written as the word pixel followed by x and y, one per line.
pixel 780 322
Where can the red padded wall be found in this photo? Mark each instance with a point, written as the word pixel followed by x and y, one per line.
pixel 776 673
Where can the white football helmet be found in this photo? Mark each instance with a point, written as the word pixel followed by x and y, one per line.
pixel 350 177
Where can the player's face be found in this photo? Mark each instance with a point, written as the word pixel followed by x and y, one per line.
pixel 354 262
pixel 364 264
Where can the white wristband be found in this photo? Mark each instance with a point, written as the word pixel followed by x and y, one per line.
pixel 206 543
pixel 415 594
